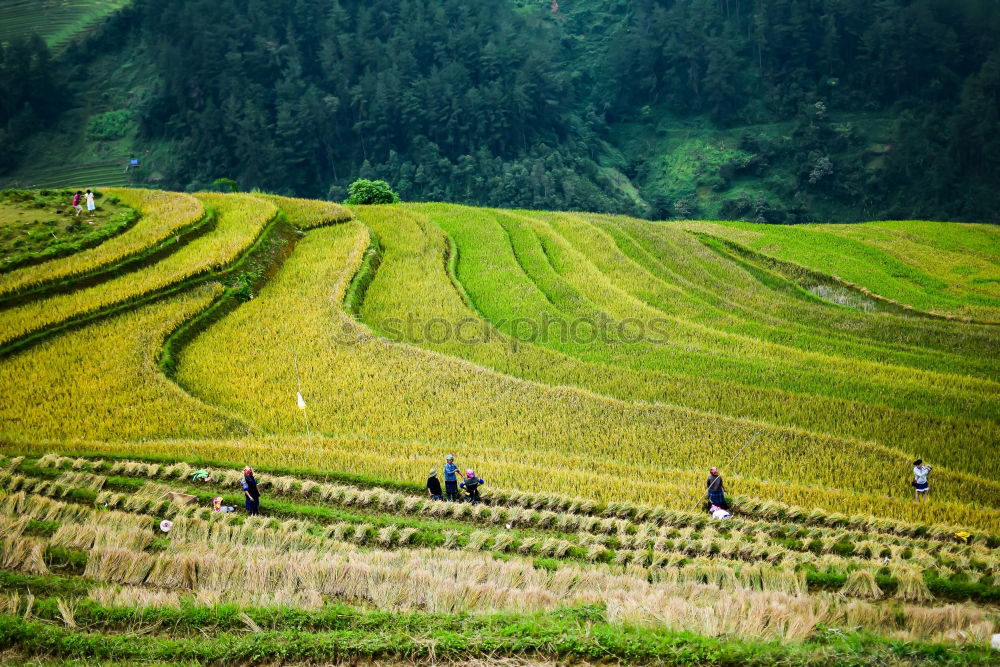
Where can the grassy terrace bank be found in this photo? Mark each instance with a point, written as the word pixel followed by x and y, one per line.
pixel 350 634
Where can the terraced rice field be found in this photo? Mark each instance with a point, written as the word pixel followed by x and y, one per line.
pixel 942 268
pixel 165 216
pixel 55 21
pixel 589 367
pixel 333 556
pixel 242 220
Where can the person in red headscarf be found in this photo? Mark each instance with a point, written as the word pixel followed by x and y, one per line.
pixel 251 492
pixel 471 486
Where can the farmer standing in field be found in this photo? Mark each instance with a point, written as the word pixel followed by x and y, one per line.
pixel 451 479
pixel 434 485
pixel 251 492
pixel 920 484
pixel 716 491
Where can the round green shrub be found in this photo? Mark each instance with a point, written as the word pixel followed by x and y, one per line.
pixel 362 191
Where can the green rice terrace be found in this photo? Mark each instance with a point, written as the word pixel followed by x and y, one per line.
pixel 590 368
pixel 55 21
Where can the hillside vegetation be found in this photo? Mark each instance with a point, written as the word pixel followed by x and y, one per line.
pixel 776 111
pixel 55 21
pixel 589 367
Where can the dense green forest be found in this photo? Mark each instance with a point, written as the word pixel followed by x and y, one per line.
pixel 31 94
pixel 776 110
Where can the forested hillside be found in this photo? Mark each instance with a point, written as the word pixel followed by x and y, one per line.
pixel 767 110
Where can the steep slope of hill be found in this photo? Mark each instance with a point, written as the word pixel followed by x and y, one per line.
pixel 555 330
pixel 778 111
pixel 588 367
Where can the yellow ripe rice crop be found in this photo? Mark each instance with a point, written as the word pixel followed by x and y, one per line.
pixel 837 397
pixel 309 213
pixel 163 215
pixel 514 508
pixel 104 382
pixel 509 284
pixel 242 219
pixel 566 428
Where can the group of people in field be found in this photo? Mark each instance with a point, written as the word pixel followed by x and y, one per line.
pixel 454 484
pixel 81 198
pixel 459 488
pixel 251 493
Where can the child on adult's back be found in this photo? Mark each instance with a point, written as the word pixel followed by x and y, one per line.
pixel 471 484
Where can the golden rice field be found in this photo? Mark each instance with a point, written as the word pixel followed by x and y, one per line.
pixel 332 555
pixel 591 368
pixel 242 219
pixel 164 214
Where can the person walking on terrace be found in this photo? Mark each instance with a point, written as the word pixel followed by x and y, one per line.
pixel 91 206
pixel 451 479
pixel 251 492
pixel 76 203
pixel 716 490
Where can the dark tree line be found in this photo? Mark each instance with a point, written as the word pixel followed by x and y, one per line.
pixel 447 99
pixel 933 64
pixel 503 102
pixel 32 94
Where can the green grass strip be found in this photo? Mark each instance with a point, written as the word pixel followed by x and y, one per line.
pixel 556 634
pixel 47 585
pixel 354 297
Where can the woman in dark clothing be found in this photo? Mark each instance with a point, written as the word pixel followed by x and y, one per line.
pixel 471 486
pixel 716 492
pixel 251 492
pixel 434 485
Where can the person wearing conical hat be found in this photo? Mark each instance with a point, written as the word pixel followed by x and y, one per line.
pixel 434 485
